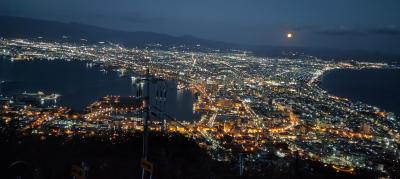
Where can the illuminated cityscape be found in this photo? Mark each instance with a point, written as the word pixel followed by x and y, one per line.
pixel 268 110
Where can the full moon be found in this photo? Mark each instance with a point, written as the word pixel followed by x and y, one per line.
pixel 289 35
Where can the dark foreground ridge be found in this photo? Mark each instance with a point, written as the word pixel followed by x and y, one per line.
pixel 53 157
pixel 173 156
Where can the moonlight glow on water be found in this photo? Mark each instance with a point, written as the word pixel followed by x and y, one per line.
pixel 80 85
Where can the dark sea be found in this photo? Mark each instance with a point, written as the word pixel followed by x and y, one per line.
pixel 377 87
pixel 80 85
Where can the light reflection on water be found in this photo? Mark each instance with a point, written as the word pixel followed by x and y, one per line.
pixel 81 84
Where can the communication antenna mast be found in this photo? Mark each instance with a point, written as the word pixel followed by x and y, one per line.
pixel 146 165
pixel 157 111
pixel 241 164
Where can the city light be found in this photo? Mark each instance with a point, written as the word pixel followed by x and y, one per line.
pixel 248 103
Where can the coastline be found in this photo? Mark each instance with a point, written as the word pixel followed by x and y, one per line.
pixel 333 90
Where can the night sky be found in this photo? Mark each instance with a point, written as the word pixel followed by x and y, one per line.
pixel 344 24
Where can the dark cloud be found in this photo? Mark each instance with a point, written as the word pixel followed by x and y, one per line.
pixel 388 30
pixel 342 31
pixel 347 31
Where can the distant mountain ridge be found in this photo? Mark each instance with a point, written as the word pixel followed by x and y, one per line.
pixel 19 27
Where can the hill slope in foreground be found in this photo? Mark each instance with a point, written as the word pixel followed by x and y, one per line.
pixel 173 156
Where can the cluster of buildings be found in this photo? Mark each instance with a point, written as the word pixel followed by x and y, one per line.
pixel 250 105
